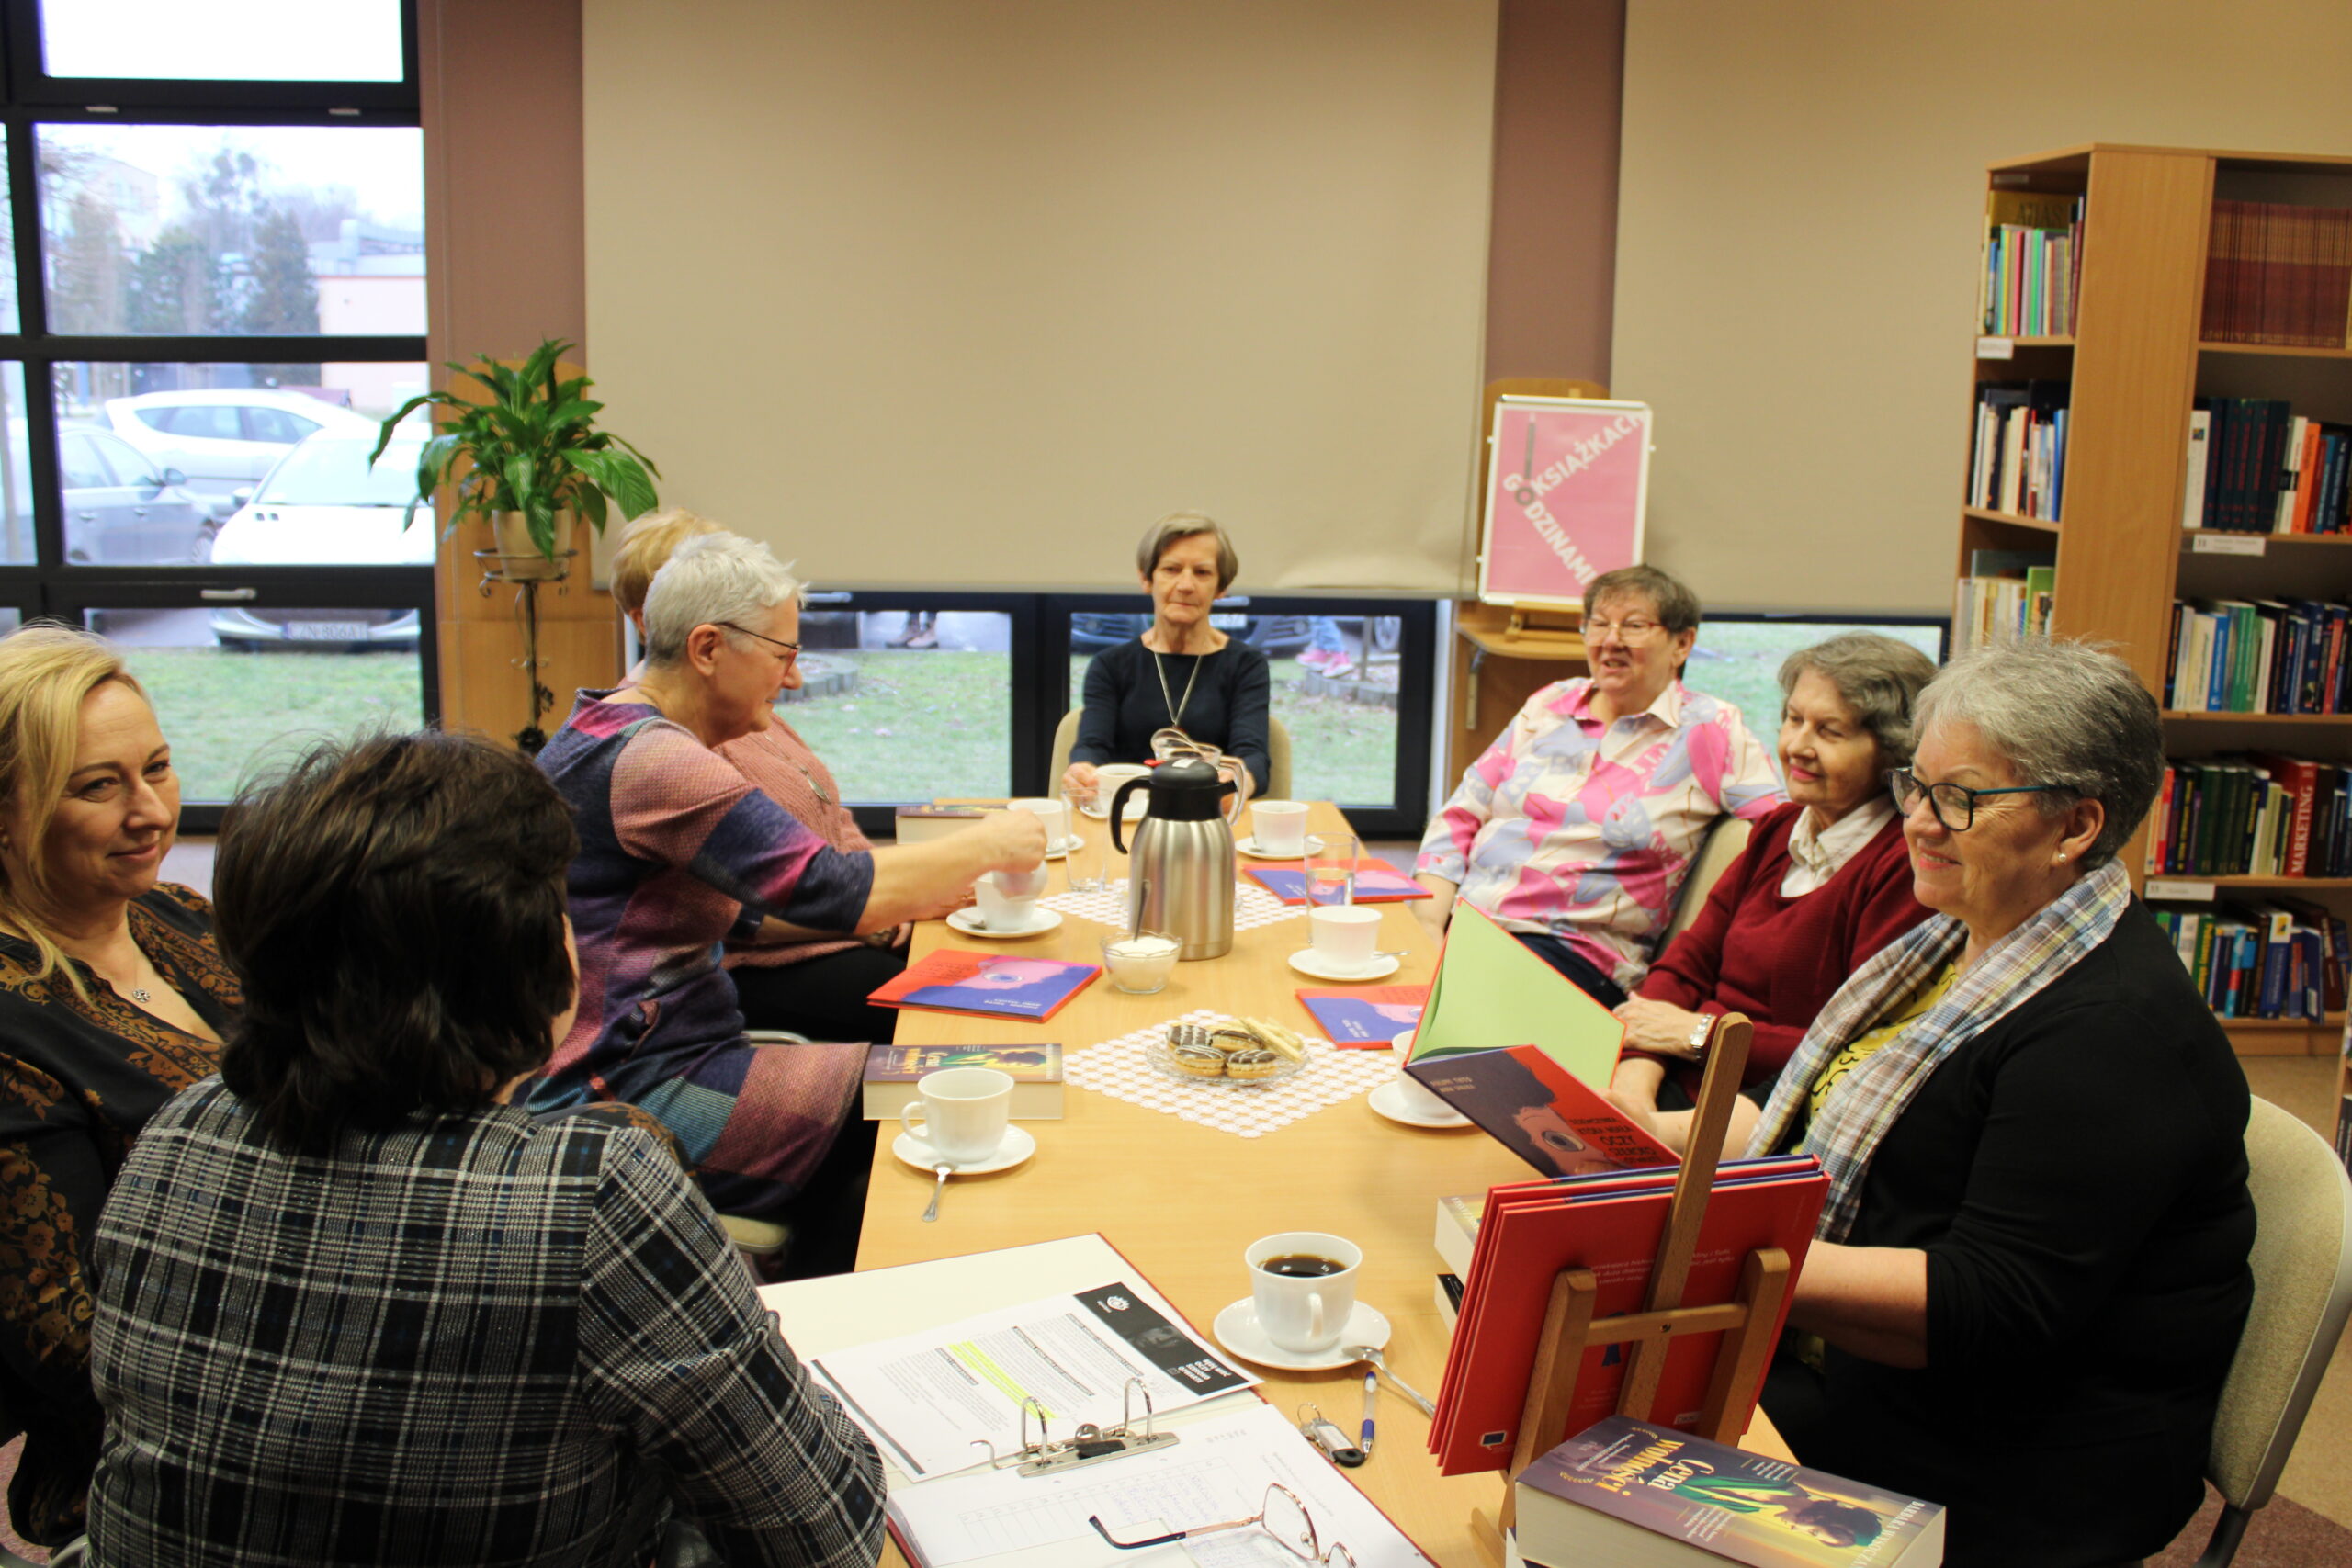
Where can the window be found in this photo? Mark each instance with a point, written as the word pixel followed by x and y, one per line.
pixel 221 239
pixel 1738 657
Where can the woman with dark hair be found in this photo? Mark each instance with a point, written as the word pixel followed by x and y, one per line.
pixel 478 1337
pixel 112 1000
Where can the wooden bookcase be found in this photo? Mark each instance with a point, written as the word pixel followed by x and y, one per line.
pixel 2136 365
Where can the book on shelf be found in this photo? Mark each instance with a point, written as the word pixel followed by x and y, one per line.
pixel 2019 460
pixel 2032 271
pixel 2007 594
pixel 2270 959
pixel 1628 1493
pixel 892 1072
pixel 1610 1224
pixel 2256 466
pixel 2260 814
pixel 2278 274
pixel 992 984
pixel 2257 656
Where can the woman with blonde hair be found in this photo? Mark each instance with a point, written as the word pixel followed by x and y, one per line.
pixel 112 999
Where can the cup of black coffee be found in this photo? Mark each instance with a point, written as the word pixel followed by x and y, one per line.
pixel 1304 1285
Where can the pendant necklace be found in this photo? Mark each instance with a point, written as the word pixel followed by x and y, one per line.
pixel 1175 704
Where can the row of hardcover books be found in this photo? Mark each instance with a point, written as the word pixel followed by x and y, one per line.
pixel 2257 467
pixel 2003 609
pixel 2280 958
pixel 2258 656
pixel 2018 462
pixel 2277 274
pixel 2033 252
pixel 2256 815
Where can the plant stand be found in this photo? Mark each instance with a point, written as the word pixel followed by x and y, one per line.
pixel 526 580
pixel 1570 1328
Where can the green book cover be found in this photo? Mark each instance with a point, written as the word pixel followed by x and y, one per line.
pixel 1491 994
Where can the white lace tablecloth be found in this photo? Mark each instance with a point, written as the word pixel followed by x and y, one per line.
pixel 1119 1068
pixel 1253 906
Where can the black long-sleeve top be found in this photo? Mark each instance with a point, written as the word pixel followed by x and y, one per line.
pixel 1125 705
pixel 2076 1176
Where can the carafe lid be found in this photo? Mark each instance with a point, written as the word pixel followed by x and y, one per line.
pixel 1187 790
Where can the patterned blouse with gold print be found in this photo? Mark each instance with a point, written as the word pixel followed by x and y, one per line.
pixel 78 1080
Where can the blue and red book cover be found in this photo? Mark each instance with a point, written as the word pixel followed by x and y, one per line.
pixel 1539 1110
pixel 1596 1496
pixel 1377 882
pixel 991 985
pixel 1363 1017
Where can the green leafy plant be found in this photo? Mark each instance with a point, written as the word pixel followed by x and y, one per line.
pixel 534 448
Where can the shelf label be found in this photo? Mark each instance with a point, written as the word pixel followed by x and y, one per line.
pixel 1997 348
pixel 2186 892
pixel 2229 545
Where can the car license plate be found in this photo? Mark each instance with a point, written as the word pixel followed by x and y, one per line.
pixel 327 631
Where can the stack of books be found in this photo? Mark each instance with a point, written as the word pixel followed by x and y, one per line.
pixel 2007 594
pixel 2018 462
pixel 2256 815
pixel 2278 958
pixel 2257 467
pixel 2276 274
pixel 2033 276
pixel 2257 656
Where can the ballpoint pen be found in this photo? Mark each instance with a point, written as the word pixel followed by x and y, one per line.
pixel 1371 1392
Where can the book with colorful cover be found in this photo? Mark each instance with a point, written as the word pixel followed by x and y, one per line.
pixel 1363 1017
pixel 1541 1112
pixel 892 1072
pixel 992 984
pixel 1625 1492
pixel 1377 882
pixel 1491 992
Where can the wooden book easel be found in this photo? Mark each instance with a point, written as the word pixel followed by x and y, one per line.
pixel 1545 623
pixel 1569 1327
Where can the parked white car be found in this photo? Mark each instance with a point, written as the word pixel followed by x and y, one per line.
pixel 322 505
pixel 225 440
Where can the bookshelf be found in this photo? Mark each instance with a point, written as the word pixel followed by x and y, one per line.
pixel 2136 362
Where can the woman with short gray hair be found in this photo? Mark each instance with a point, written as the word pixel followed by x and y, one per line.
pixel 676 844
pixel 2032 1258
pixel 1824 883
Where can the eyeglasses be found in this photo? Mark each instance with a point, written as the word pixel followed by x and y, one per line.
pixel 791 649
pixel 1282 1515
pixel 1632 629
pixel 1954 805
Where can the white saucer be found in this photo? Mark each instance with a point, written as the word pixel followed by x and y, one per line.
pixel 1236 1329
pixel 1305 962
pixel 1388 1100
pixel 968 923
pixel 1056 852
pixel 1018 1145
pixel 1249 846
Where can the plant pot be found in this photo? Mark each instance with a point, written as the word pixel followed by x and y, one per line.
pixel 519 560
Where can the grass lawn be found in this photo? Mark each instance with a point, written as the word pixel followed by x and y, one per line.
pixel 1739 661
pixel 918 724
pixel 1339 750
pixel 229 715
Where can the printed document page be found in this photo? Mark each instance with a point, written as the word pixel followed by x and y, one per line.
pixel 1217 1469
pixel 929 1398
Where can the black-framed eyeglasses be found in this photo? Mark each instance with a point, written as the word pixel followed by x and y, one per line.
pixel 1282 1515
pixel 791 649
pixel 1953 805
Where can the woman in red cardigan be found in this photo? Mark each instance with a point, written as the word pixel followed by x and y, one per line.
pixel 1824 883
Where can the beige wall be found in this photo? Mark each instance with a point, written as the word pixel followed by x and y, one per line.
pixel 932 293
pixel 1802 187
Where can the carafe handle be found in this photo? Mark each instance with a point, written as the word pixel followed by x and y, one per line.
pixel 1119 811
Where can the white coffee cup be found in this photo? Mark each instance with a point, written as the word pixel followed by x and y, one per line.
pixel 1107 780
pixel 1008 901
pixel 1344 936
pixel 963 1111
pixel 1052 815
pixel 1304 1313
pixel 1281 827
pixel 1417 1099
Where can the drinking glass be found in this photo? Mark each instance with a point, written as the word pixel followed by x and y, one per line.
pixel 1331 868
pixel 1088 864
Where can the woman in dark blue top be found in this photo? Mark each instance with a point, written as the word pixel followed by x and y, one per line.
pixel 1183 674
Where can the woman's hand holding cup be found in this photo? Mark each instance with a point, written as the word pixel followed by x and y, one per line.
pixel 1079 779
pixel 1016 842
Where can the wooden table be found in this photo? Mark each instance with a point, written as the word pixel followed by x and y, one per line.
pixel 1182 1201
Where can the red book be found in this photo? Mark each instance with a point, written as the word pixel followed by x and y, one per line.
pixel 1537 1110
pixel 990 984
pixel 2301 780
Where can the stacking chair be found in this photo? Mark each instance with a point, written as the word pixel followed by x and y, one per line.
pixel 2302 1288
pixel 1277 755
pixel 1722 846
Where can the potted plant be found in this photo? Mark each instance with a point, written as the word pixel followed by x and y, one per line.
pixel 534 454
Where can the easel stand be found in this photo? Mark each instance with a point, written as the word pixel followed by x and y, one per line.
pixel 1570 1328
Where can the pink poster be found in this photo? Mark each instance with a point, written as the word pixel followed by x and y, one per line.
pixel 1564 497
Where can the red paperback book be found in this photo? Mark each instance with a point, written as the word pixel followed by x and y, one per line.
pixel 990 984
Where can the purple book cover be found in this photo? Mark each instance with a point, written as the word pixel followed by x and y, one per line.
pixel 1767 1513
pixel 1364 1017
pixel 1377 882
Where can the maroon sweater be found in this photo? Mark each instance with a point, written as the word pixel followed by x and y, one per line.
pixel 1777 959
